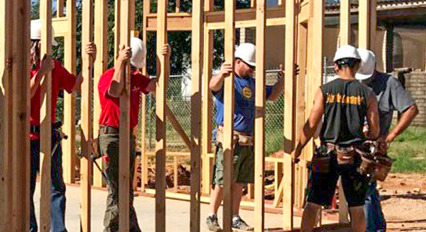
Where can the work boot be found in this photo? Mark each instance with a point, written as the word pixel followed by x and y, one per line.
pixel 240 224
pixel 213 223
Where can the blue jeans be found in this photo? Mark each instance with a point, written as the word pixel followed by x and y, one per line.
pixel 57 210
pixel 374 219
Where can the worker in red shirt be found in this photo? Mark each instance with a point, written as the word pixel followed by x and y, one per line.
pixel 61 80
pixel 110 89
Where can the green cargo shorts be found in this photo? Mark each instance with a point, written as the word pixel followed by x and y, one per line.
pixel 243 169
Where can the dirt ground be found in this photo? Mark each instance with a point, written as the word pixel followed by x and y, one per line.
pixel 404 202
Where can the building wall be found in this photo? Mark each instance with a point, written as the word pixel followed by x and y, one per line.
pixel 415 83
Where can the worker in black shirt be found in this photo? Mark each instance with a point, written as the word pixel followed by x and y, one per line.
pixel 345 103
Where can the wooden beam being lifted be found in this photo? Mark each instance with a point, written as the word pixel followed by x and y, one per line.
pixel 46 118
pixel 160 148
pixel 228 113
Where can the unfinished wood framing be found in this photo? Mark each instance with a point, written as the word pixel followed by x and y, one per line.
pixel 228 115
pixel 304 38
pixel 197 66
pixel 86 119
pixel 345 22
pixel 123 33
pixel 46 118
pixel 100 65
pixel 259 122
pixel 160 148
pixel 70 57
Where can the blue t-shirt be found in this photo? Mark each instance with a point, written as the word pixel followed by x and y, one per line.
pixel 244 104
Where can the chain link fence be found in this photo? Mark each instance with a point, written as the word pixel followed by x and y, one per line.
pixel 178 99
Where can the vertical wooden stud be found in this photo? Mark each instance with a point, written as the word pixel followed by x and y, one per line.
pixel 125 130
pixel 160 149
pixel 68 146
pixel 60 8
pixel 86 119
pixel 100 65
pixel 367 23
pixel 228 154
pixel 289 112
pixel 207 110
pixel 345 22
pixel 259 122
pixel 144 157
pixel 45 118
pixel 5 117
pixel 197 65
pixel 20 110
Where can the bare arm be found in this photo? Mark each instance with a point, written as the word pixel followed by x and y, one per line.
pixel 311 124
pixel 117 84
pixel 373 117
pixel 46 65
pixel 216 82
pixel 406 118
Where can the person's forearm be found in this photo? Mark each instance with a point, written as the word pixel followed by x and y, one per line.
pixel 277 89
pixel 35 83
pixel 216 82
pixel 117 83
pixel 307 133
pixel 405 120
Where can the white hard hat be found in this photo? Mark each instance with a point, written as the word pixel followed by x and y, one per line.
pixel 36 31
pixel 368 64
pixel 247 53
pixel 347 51
pixel 138 52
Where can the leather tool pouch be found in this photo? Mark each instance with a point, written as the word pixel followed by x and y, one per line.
pixel 321 160
pixel 346 155
pixel 382 168
pixel 96 149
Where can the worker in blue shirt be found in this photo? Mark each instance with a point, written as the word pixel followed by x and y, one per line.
pixel 243 169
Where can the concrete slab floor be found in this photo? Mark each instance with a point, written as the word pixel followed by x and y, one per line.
pixel 177 212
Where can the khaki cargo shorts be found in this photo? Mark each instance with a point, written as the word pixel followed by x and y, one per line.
pixel 243 169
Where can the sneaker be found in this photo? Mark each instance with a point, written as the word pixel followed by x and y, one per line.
pixel 240 224
pixel 213 224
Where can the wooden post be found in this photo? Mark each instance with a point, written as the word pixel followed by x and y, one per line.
pixel 46 118
pixel 343 207
pixel 345 22
pixel 289 112
pixel 207 103
pixel 100 65
pixel 175 173
pixel 160 149
pixel 86 119
pixel 144 157
pixel 59 8
pixel 259 123
pixel 125 130
pixel 367 23
pixel 207 110
pixel 19 155
pixel 69 158
pixel 5 117
pixel 197 65
pixel 302 43
pixel 228 122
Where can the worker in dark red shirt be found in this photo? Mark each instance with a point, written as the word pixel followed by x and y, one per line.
pixel 61 80
pixel 110 88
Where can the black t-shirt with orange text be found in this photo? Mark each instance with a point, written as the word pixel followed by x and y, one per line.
pixel 345 110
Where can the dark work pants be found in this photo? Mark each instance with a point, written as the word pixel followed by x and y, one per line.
pixel 109 146
pixel 57 210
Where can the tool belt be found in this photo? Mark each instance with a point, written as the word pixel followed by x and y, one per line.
pixel 239 137
pixel 36 129
pixel 321 160
pixel 375 165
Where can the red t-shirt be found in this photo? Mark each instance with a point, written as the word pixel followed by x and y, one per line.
pixel 110 115
pixel 61 80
